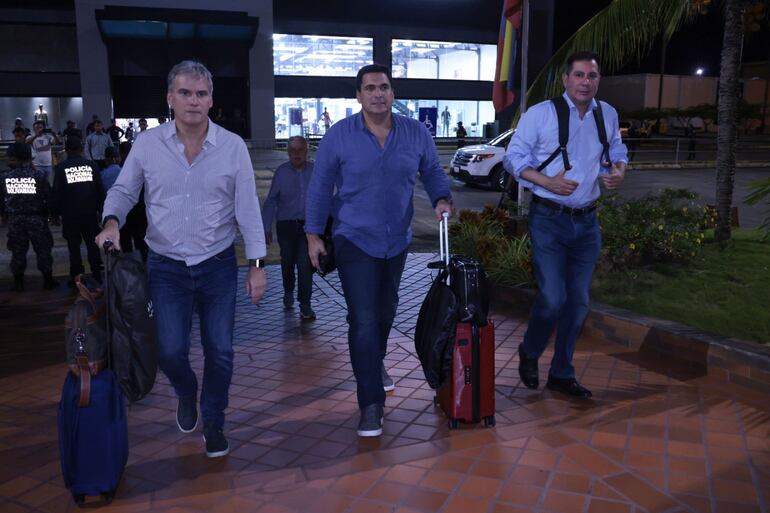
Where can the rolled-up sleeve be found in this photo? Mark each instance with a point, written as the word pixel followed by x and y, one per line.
pixel 319 194
pixel 247 212
pixel 520 152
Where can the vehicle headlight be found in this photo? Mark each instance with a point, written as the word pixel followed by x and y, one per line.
pixel 483 156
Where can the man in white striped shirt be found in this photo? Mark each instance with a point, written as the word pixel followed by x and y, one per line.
pixel 199 184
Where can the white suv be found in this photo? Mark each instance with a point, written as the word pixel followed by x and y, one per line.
pixel 482 163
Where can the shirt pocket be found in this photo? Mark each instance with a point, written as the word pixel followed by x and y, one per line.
pixel 220 182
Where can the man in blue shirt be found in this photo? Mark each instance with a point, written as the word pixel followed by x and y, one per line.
pixel 565 234
pixel 373 159
pixel 286 203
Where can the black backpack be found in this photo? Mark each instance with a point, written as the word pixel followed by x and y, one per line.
pixel 562 114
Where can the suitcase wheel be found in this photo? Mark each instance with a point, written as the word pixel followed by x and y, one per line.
pixel 80 500
pixel 453 423
pixel 108 497
pixel 490 421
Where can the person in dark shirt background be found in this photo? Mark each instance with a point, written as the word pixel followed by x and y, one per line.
pixel 78 197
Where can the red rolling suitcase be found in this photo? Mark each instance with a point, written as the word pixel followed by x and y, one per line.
pixel 468 395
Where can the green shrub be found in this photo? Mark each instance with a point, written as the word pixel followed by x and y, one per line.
pixel 512 263
pixel 482 235
pixel 664 227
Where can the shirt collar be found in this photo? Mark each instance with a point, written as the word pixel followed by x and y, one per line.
pixel 358 120
pixel 168 131
pixel 572 104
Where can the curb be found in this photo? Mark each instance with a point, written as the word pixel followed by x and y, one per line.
pixel 700 352
pixel 692 164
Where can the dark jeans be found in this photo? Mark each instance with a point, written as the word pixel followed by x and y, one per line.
pixel 564 250
pixel 293 243
pixel 85 228
pixel 208 288
pixel 370 286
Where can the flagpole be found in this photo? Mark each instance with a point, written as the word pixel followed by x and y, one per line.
pixel 524 55
pixel 523 89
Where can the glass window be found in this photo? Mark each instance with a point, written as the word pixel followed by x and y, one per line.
pixel 305 116
pixel 473 114
pixel 443 60
pixel 310 116
pixel 325 56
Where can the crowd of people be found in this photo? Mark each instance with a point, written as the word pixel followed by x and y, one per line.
pixel 197 183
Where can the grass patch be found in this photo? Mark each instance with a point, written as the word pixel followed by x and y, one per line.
pixel 725 291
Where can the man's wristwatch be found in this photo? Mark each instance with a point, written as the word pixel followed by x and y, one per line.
pixel 259 263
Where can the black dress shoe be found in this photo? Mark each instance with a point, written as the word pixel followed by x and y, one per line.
pixel 528 370
pixel 568 386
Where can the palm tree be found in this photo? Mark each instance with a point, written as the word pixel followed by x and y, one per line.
pixel 727 105
pixel 627 29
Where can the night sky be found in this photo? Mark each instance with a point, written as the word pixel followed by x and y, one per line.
pixel 697 45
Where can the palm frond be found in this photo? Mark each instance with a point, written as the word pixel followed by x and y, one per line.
pixel 624 30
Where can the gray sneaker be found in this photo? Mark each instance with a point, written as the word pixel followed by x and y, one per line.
pixel 387 381
pixel 371 421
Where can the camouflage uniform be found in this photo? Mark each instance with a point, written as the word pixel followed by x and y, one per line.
pixel 25 193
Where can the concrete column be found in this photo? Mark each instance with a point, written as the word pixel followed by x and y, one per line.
pixel 94 66
pixel 261 82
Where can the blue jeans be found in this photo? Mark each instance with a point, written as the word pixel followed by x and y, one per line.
pixel 293 243
pixel 370 286
pixel 564 251
pixel 208 288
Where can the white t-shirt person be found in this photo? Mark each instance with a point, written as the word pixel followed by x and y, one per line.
pixel 41 149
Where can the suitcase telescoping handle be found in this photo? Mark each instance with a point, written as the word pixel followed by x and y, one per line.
pixel 443 244
pixel 443 227
pixel 109 255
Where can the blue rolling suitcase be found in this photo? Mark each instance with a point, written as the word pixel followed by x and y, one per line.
pixel 93 439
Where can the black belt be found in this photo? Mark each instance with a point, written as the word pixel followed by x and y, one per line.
pixel 300 221
pixel 561 208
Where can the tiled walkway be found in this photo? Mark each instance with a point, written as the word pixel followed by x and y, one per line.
pixel 652 440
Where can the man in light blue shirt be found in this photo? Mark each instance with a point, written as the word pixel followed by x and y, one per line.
pixel 373 159
pixel 286 204
pixel 198 186
pixel 566 239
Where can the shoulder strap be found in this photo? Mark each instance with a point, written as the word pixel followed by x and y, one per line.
pixel 562 115
pixel 604 160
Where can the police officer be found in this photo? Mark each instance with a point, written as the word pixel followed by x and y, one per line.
pixel 78 198
pixel 24 194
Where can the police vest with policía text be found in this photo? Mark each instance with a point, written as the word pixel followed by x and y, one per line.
pixel 24 191
pixel 79 174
